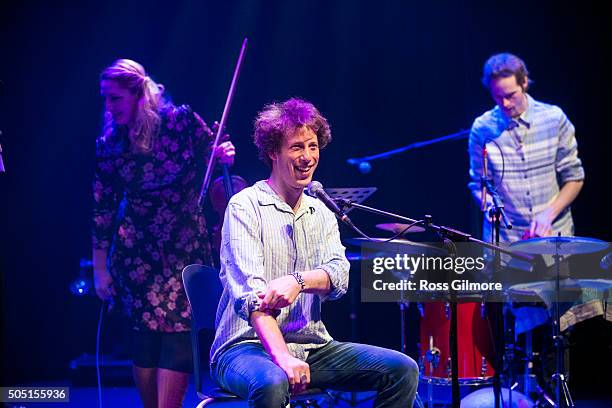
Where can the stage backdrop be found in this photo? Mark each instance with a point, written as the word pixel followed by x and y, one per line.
pixel 385 74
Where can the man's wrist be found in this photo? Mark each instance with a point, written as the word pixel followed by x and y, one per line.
pixel 554 210
pixel 300 280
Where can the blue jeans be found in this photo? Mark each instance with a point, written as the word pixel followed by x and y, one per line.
pixel 248 371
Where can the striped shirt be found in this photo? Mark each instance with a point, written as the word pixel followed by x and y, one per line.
pixel 263 239
pixel 540 154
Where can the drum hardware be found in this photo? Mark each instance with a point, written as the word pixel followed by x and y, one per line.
pixel 509 354
pixel 559 247
pixel 401 246
pixel 396 228
pixel 448 235
pixel 483 367
pixel 432 355
pixel 421 309
pixel 528 376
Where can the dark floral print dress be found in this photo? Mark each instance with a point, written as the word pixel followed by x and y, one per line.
pixel 146 215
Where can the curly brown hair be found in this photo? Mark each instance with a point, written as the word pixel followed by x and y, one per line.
pixel 278 120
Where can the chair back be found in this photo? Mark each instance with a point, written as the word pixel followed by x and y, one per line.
pixel 204 290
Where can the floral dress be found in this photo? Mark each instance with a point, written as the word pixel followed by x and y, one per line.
pixel 146 215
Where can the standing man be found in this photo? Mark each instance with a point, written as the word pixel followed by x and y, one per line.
pixel 532 159
pixel 537 173
pixel 281 257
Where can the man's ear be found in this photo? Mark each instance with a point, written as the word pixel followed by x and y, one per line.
pixel 273 156
pixel 525 83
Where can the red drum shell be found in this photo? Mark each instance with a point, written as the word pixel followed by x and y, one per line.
pixel 474 340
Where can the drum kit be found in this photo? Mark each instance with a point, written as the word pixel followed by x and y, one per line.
pixel 476 337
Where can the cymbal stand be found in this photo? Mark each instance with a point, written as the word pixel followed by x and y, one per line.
pixel 499 323
pixel 562 393
pixel 450 234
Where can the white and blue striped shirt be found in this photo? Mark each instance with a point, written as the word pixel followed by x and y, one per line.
pixel 540 154
pixel 263 239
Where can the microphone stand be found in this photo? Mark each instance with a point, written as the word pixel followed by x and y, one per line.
pixel 497 213
pixel 358 161
pixel 446 233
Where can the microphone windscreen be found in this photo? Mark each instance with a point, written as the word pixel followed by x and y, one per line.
pixel 314 187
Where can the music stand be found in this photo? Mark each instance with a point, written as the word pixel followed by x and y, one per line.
pixel 353 194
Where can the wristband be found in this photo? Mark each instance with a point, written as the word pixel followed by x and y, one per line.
pixel 300 279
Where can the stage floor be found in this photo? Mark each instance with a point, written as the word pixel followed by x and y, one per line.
pixel 127 397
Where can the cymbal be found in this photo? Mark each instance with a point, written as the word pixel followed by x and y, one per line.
pixel 358 256
pixel 399 246
pixel 540 287
pixel 396 228
pixel 559 245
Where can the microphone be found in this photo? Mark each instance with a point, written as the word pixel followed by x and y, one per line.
pixel 483 198
pixel 364 166
pixel 315 189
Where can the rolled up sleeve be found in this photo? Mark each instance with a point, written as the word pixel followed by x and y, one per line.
pixel 334 262
pixel 569 166
pixel 242 258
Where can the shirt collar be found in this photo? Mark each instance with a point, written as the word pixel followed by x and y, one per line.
pixel 525 119
pixel 267 196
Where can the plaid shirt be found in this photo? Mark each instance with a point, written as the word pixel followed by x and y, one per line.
pixel 262 239
pixel 540 154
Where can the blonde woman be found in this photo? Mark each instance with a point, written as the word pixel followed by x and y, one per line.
pixel 147 223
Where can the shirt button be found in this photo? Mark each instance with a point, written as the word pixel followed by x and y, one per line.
pixel 527 193
pixel 525 176
pixel 522 158
pixel 530 209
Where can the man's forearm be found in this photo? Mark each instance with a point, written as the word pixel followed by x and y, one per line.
pixel 566 196
pixel 269 334
pixel 298 371
pixel 316 281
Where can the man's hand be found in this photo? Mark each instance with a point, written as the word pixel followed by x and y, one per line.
pixel 541 226
pixel 298 372
pixel 281 292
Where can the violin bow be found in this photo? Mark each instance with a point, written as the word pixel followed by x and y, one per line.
pixel 226 109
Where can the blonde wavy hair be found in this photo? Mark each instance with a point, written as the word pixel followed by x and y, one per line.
pixel 132 76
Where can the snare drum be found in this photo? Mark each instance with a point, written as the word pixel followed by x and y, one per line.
pixel 474 343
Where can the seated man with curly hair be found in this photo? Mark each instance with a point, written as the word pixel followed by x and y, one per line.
pixel 281 257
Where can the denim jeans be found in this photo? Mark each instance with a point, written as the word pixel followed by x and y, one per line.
pixel 248 371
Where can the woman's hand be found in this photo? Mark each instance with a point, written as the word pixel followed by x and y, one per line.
pixel 103 282
pixel 225 152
